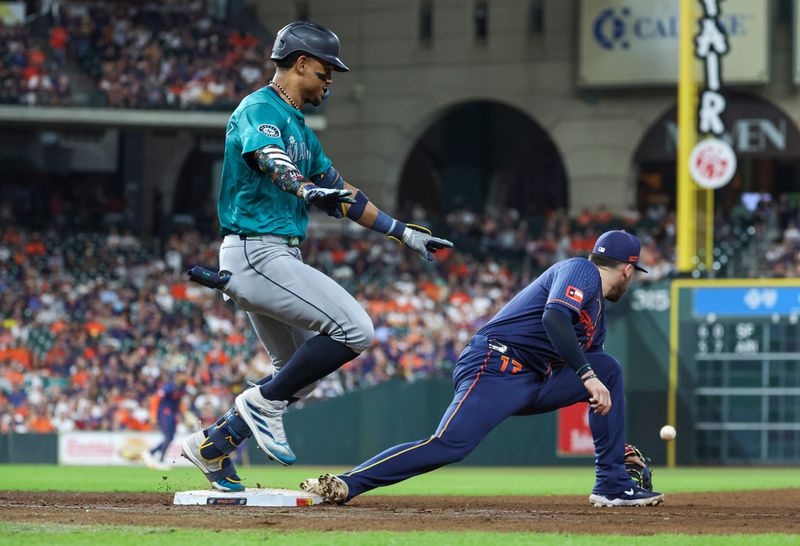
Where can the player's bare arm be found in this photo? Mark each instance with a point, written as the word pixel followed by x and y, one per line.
pixel 365 213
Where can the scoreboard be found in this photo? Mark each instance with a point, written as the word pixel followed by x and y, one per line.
pixel 734 373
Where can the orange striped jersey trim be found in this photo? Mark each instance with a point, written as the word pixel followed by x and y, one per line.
pixel 565 303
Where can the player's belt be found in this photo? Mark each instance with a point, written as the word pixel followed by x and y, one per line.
pixel 290 240
pixel 493 344
pixel 506 350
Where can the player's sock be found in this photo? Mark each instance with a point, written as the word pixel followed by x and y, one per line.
pixel 313 360
pixel 267 379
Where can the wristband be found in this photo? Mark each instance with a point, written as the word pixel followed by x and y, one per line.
pixel 389 226
pixel 590 376
pixel 357 209
pixel 583 369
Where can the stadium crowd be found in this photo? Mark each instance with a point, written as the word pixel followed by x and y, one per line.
pixel 29 73
pixel 155 54
pixel 92 324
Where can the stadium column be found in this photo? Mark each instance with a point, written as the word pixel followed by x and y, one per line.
pixel 163 156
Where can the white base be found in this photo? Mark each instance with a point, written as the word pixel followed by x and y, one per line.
pixel 248 497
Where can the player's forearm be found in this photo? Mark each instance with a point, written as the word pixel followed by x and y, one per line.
pixel 274 162
pixel 562 336
pixel 366 214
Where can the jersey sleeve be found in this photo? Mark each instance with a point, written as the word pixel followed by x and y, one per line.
pixel 574 286
pixel 319 161
pixel 260 125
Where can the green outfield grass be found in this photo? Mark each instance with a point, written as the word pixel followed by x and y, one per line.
pixel 68 535
pixel 457 480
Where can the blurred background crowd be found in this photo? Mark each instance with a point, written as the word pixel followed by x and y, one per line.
pixel 91 323
pixel 154 54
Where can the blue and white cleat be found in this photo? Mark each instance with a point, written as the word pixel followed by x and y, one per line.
pixel 220 471
pixel 265 419
pixel 635 496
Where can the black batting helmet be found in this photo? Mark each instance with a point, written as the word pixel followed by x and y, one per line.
pixel 310 38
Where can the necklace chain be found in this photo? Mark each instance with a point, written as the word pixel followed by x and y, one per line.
pixel 285 94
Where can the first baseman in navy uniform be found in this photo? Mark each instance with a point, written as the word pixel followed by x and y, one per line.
pixel 541 352
pixel 274 170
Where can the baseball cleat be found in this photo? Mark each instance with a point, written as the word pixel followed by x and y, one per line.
pixel 220 471
pixel 635 496
pixel 265 419
pixel 148 460
pixel 331 488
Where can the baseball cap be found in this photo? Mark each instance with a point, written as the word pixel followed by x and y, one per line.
pixel 621 246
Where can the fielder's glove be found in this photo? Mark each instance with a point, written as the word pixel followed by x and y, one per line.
pixel 420 240
pixel 636 465
pixel 326 198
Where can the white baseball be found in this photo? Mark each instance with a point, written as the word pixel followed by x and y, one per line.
pixel 667 433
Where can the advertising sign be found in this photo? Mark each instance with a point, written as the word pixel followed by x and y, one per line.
pixel 635 42
pixel 712 163
pixel 574 435
pixel 114 448
pixel 745 302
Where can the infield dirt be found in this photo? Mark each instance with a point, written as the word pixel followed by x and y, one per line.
pixel 692 513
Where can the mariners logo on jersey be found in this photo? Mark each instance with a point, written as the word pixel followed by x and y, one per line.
pixel 269 130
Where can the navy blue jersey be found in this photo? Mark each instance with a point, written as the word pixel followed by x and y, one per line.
pixel 572 286
pixel 170 402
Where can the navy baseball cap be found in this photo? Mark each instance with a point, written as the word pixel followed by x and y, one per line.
pixel 621 246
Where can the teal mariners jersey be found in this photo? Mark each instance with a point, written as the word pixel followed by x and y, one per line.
pixel 249 201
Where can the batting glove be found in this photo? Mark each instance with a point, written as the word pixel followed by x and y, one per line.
pixel 325 198
pixel 336 210
pixel 419 239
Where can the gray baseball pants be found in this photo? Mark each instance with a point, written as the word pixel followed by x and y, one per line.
pixel 288 301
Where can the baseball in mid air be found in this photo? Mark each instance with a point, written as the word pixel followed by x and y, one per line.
pixel 667 433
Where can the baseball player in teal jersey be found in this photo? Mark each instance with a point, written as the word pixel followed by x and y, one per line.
pixel 274 170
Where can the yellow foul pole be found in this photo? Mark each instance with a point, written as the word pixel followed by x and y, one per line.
pixel 686 245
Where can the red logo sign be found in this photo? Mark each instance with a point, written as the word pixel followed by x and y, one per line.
pixel 574 434
pixel 712 163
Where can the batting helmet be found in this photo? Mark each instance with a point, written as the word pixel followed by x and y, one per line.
pixel 310 38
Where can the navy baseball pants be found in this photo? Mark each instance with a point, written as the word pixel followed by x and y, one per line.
pixel 490 386
pixel 168 423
